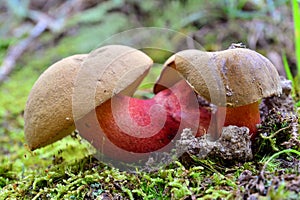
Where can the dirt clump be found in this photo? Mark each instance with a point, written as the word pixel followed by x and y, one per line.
pixel 232 147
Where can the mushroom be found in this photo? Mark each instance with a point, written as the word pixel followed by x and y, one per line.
pixel 235 80
pixel 94 93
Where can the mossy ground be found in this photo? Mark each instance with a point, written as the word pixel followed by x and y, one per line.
pixel 67 169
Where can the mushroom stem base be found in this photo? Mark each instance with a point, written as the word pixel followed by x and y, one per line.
pixel 247 115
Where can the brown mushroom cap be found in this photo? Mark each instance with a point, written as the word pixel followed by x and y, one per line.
pixel 239 76
pixel 49 113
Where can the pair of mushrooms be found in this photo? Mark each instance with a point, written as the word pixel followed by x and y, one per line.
pixel 94 92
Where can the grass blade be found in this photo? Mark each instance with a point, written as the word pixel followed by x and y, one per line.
pixel 287 69
pixel 296 17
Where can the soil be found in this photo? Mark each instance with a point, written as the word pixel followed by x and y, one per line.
pixel 256 185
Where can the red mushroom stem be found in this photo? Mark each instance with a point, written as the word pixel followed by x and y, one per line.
pixel 247 115
pixel 142 126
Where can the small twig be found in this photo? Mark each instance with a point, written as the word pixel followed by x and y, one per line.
pixel 15 52
pixel 42 23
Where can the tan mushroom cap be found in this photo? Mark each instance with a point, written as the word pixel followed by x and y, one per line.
pixel 239 76
pixel 49 114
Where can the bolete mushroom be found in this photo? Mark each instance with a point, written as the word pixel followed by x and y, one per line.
pixel 49 110
pixel 234 79
pixel 79 89
pixel 131 124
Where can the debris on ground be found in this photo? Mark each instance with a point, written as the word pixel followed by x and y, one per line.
pixel 232 147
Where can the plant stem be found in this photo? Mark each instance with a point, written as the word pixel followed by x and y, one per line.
pixel 296 17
